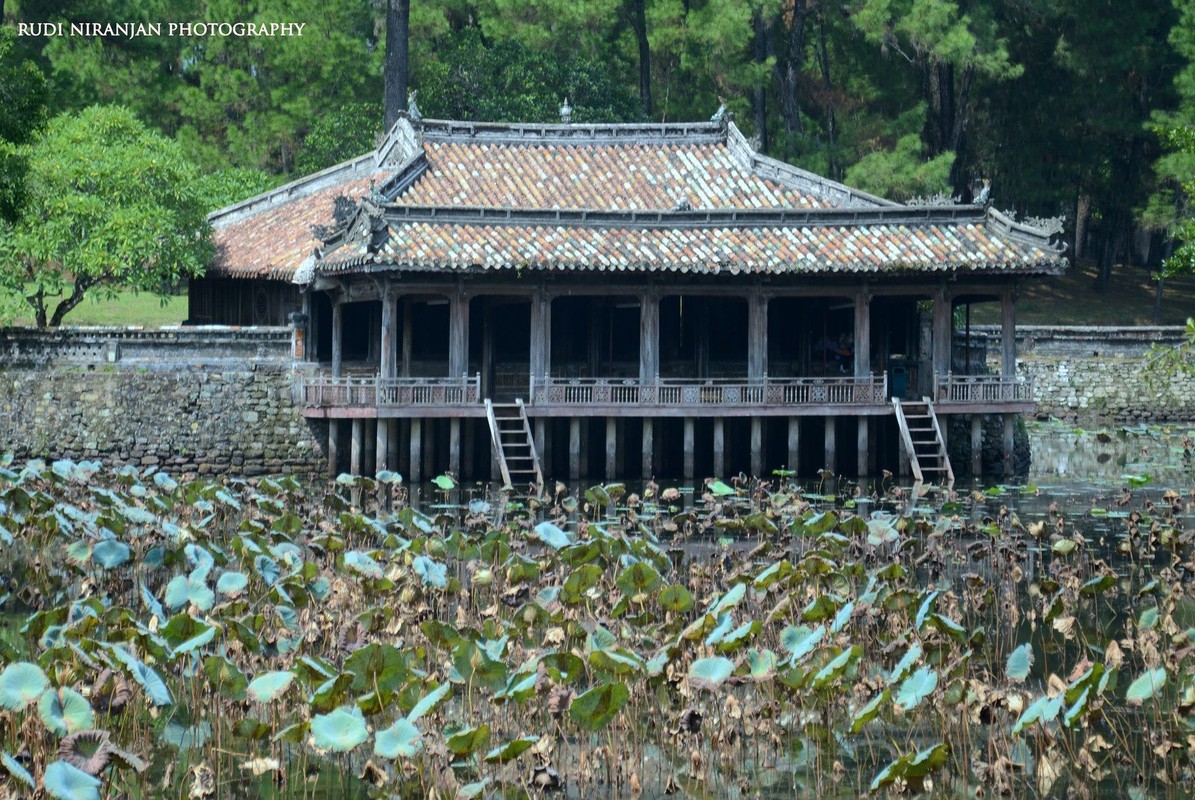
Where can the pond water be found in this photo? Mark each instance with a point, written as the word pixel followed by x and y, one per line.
pixel 1034 639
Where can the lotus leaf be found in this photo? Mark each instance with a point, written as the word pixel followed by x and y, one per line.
pixel 710 673
pixel 340 731
pixel 510 751
pixel 21 684
pixel 400 740
pixel 270 686
pixel 916 688
pixel 466 741
pixel 1019 662
pixel 65 711
pixel 593 709
pixel 66 782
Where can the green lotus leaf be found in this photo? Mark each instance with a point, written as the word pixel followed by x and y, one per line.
pixel 710 673
pixel 431 572
pixel 720 489
pixel 232 584
pixel 916 688
pixel 270 686
pixel 1044 709
pixel 363 564
pixel 639 578
pixel 189 589
pixel 675 598
pixel 510 751
pixel 1019 662
pixel 21 684
pixel 111 554
pixel 444 482
pixel 466 741
pixel 429 701
pixel 870 710
pixel 904 667
pixel 65 711
pixel 377 666
pixel 1146 686
pixel 552 536
pixel 593 709
pixel 226 677
pixel 400 740
pixel 16 770
pixel 65 782
pixel 340 731
pixel 800 640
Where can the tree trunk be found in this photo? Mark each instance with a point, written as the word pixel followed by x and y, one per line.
pixel 759 96
pixel 789 71
pixel 64 307
pixel 398 18
pixel 639 18
pixel 1082 214
pixel 38 301
pixel 823 57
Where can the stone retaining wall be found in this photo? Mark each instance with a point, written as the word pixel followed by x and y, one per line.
pixel 190 400
pixel 1099 373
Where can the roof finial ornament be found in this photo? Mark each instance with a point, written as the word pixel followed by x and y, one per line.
pixel 412 106
pixel 375 194
pixel 721 113
pixel 683 205
pixel 566 112
pixel 984 194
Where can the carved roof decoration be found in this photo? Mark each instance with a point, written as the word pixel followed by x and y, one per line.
pixel 691 197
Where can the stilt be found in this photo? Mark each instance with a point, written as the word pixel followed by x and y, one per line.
pixel 719 446
pixel 689 471
pixel 756 447
pixel 333 447
pixel 369 454
pixel 403 454
pixel 470 454
pixel 864 443
pixel 648 448
pixel 382 448
pixel 976 445
pixel 541 436
pixel 794 443
pixel 574 448
pixel 454 446
pixel 355 450
pixel 831 442
pixel 1010 422
pixel 611 448
pixel 416 450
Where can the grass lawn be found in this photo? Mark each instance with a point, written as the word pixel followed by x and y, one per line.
pixel 1071 300
pixel 128 308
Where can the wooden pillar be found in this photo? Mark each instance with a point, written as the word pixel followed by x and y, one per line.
pixel 719 446
pixel 369 456
pixel 356 447
pixel 648 448
pixel 574 448
pixel 1010 422
pixel 539 424
pixel 863 440
pixel 408 335
pixel 689 441
pixel 757 336
pixel 454 446
pixel 337 338
pixel 942 332
pixel 487 349
pixel 757 447
pixel 333 447
pixel 416 447
pixel 649 337
pixel 386 348
pixel 794 443
pixel 541 338
pixel 611 448
pixel 1008 336
pixel 469 457
pixel 458 334
pixel 382 448
pixel 862 334
pixel 976 445
pixel 831 442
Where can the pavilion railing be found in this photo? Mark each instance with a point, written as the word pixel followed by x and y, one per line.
pixel 953 388
pixel 868 390
pixel 325 391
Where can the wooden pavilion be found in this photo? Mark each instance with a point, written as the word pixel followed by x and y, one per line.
pixel 647 299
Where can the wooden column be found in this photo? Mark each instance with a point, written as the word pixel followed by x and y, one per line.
pixel 648 448
pixel 355 449
pixel 487 348
pixel 574 448
pixel 539 426
pixel 649 337
pixel 863 334
pixel 416 447
pixel 757 447
pixel 719 446
pixel 333 447
pixel 458 334
pixel 337 338
pixel 757 335
pixel 541 337
pixel 689 442
pixel 369 442
pixel 408 339
pixel 976 445
pixel 942 328
pixel 611 448
pixel 831 443
pixel 469 448
pixel 382 447
pixel 1010 422
pixel 863 439
pixel 1008 336
pixel 794 443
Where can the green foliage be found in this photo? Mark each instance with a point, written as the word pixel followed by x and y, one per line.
pixel 338 136
pixel 22 114
pixel 902 172
pixel 110 204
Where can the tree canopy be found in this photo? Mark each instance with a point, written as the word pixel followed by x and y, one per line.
pixel 109 204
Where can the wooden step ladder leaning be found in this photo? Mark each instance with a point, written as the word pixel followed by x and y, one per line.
pixel 921 436
pixel 514 446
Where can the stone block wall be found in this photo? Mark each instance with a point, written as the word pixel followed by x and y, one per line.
pixel 186 400
pixel 1099 373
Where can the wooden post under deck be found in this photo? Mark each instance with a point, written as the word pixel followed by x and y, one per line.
pixel 454 446
pixel 863 441
pixel 333 447
pixel 574 448
pixel 831 442
pixel 648 447
pixel 794 443
pixel 689 449
pixel 976 444
pixel 757 447
pixel 1010 423
pixel 611 447
pixel 719 446
pixel 416 447
pixel 369 446
pixel 382 447
pixel 355 449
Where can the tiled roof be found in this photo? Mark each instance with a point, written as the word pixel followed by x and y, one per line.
pixel 968 245
pixel 606 176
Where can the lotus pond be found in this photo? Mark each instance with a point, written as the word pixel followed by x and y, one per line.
pixel 751 639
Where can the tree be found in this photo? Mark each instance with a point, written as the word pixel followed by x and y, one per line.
pixel 398 27
pixel 110 204
pixel 22 114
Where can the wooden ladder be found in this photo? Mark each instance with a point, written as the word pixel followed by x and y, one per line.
pixel 514 446
pixel 922 438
